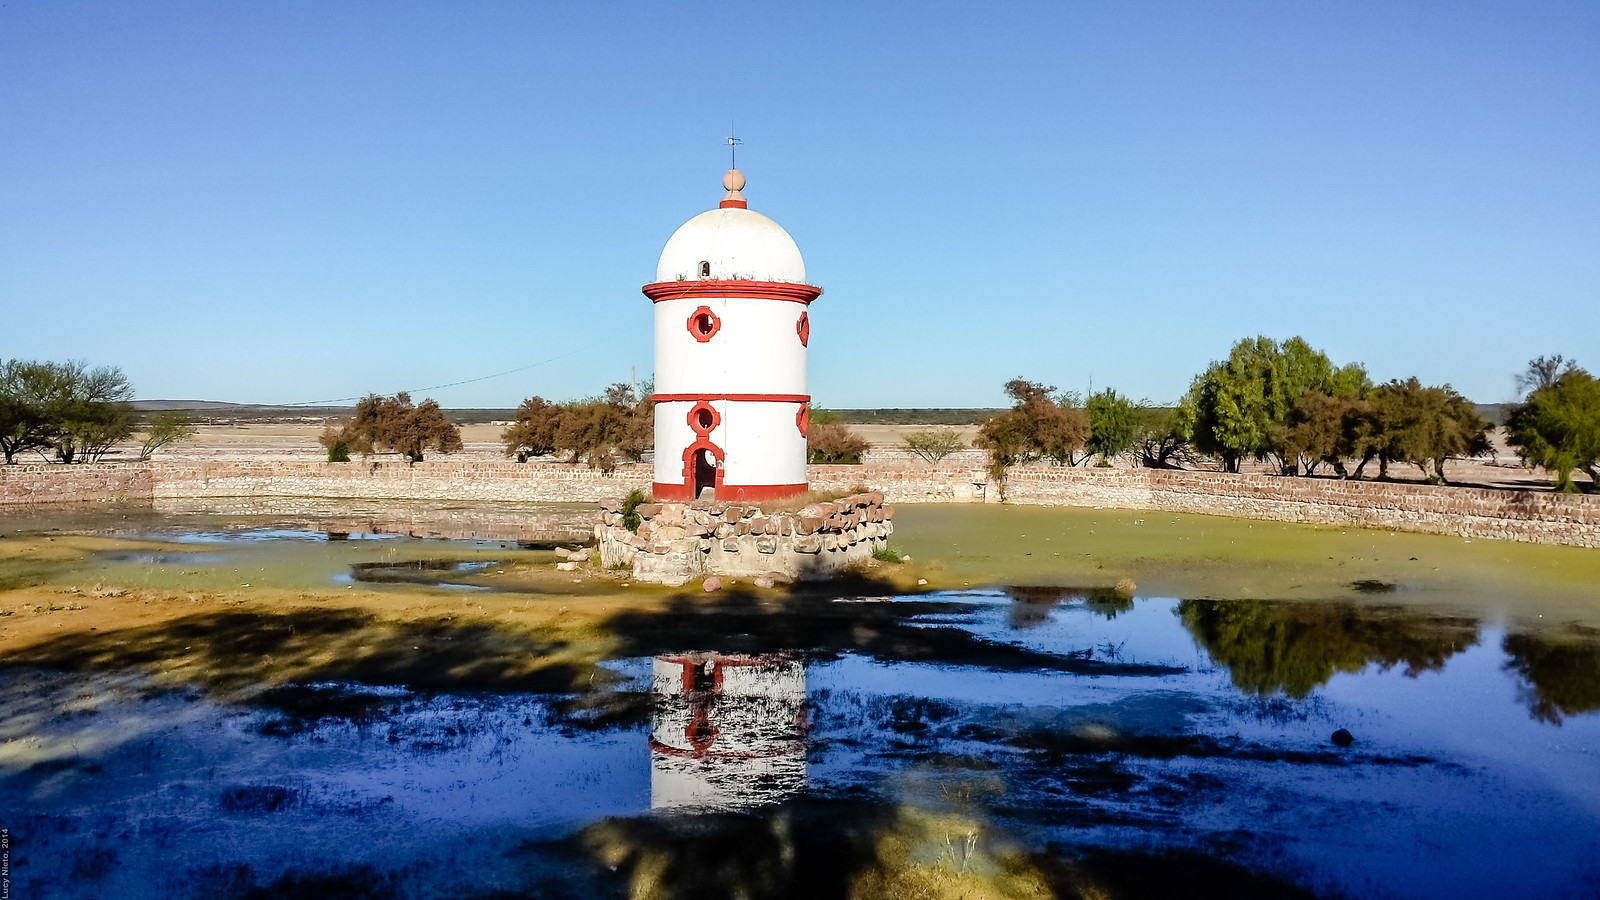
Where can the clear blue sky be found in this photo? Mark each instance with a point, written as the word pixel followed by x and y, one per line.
pixel 282 202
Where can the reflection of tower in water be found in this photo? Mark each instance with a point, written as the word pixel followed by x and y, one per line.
pixel 728 732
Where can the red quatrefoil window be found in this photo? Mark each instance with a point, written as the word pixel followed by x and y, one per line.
pixel 802 419
pixel 803 328
pixel 703 323
pixel 702 418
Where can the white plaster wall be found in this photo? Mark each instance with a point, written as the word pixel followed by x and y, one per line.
pixel 756 351
pixel 738 243
pixel 760 442
pixel 763 444
pixel 673 435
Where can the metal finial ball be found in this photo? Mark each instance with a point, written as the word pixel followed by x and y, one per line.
pixel 733 180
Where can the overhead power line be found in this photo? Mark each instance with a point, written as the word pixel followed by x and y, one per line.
pixel 440 387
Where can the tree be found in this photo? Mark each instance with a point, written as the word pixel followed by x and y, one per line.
pixel 1544 371
pixel 1425 426
pixel 1314 431
pixel 1558 426
pixel 829 441
pixel 78 412
pixel 618 425
pixel 1035 427
pixel 164 429
pixel 26 418
pixel 339 440
pixel 1111 430
pixel 533 430
pixel 1239 406
pixel 94 412
pixel 934 444
pixel 394 423
pixel 1160 437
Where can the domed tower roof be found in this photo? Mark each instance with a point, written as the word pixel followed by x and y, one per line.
pixel 731 243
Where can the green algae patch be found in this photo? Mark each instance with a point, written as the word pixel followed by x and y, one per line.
pixel 1182 555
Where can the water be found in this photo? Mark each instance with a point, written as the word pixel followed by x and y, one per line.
pixel 1024 741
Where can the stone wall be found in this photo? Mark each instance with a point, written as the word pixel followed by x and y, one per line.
pixel 919 483
pixel 30 484
pixel 385 480
pixel 1535 516
pixel 1539 517
pixel 677 542
pixel 394 480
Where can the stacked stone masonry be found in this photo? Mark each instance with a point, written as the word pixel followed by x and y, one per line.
pixel 1536 516
pixel 677 542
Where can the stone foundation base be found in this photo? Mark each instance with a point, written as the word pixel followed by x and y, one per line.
pixel 678 542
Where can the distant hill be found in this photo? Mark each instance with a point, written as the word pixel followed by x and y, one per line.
pixel 920 416
pixel 222 411
pixel 189 404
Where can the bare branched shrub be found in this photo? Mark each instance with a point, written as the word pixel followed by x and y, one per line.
pixel 162 430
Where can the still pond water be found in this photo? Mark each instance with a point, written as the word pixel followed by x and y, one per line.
pixel 1002 741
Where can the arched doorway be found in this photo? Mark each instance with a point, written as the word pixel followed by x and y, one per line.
pixel 705 473
pixel 702 468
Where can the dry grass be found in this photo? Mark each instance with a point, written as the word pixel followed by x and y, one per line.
pixel 800 501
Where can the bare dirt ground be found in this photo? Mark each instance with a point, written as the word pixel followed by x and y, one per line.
pixel 298 442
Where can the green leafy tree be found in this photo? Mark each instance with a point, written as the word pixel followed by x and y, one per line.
pixel 934 444
pixel 1315 431
pixel 77 411
pixel 1406 421
pixel 1238 405
pixel 1558 426
pixel 28 418
pixel 339 440
pixel 1111 424
pixel 1161 437
pixel 162 430
pixel 94 413
pixel 1349 382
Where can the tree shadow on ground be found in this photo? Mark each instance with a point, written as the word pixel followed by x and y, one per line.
pixel 269 658
pixel 870 849
pixel 302 660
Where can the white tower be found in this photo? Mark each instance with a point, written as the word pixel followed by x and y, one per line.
pixel 731 332
pixel 728 731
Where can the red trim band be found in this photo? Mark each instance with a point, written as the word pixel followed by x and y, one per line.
pixel 741 398
pixel 676 492
pixel 755 290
